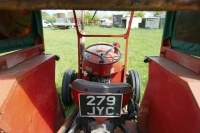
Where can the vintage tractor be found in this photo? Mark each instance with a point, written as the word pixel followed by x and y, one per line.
pixel 99 87
pixel 29 101
pixel 170 102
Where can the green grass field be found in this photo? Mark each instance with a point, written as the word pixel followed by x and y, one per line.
pixel 142 42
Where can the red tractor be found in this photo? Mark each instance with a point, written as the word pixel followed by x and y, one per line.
pixel 99 87
pixel 29 101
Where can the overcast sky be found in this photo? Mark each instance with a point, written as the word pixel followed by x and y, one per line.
pixel 100 13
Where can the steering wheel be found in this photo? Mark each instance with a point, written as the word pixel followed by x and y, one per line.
pixel 102 54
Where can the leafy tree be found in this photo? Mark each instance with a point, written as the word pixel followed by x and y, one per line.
pixel 139 14
pixel 157 13
pixel 53 18
pixel 89 16
pixel 49 18
pixel 45 15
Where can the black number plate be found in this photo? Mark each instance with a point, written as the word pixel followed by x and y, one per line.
pixel 100 105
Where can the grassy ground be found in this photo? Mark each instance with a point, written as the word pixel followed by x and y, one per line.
pixel 142 42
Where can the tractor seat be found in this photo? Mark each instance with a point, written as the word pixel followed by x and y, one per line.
pixel 88 86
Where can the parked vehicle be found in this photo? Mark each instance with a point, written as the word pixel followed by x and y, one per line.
pixel 106 23
pixel 65 23
pixel 46 24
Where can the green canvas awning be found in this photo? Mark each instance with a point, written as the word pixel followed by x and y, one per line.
pixel 183 36
pixel 18 29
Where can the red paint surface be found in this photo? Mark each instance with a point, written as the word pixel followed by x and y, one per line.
pixel 125 36
pixel 102 70
pixel 183 59
pixel 28 97
pixel 170 103
pixel 15 58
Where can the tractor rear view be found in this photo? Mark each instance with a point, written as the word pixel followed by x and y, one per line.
pixel 170 103
pixel 105 102
pixel 106 93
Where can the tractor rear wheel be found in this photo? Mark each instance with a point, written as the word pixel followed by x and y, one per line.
pixel 134 80
pixel 68 77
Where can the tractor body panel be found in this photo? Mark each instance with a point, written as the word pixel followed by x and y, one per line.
pixel 171 100
pixel 29 100
pixel 103 70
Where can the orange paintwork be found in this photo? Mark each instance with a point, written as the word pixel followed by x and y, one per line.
pixel 28 97
pixel 171 99
pixel 99 68
pixel 102 70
